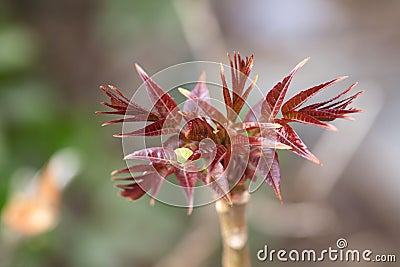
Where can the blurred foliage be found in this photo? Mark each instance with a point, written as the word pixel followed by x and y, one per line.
pixel 17 49
pixel 38 116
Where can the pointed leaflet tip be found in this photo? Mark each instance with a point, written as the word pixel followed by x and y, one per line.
pixel 141 73
pixel 190 210
pixel 122 179
pixel 300 65
pixel 332 128
pixel 303 62
pixel 113 173
pixel 326 104
pixel 139 69
pixel 255 79
pixel 279 195
pixel 273 177
pixel 314 159
pixel 200 89
pixel 120 135
pixel 184 92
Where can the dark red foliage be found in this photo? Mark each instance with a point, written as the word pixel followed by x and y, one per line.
pixel 240 71
pixel 225 147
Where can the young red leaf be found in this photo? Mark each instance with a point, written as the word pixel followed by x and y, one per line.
pixel 132 191
pixel 303 96
pixel 122 106
pixel 161 100
pixel 118 112
pixel 274 177
pixel 289 137
pixel 207 108
pixel 154 129
pixel 226 94
pixel 134 168
pixel 320 104
pixel 137 189
pixel 234 71
pixel 161 155
pixel 276 95
pixel 187 180
pixel 120 102
pixel 207 150
pixel 264 162
pixel 240 71
pixel 136 118
pixel 306 119
pixel 328 111
pixel 342 104
pixel 199 91
pixel 117 99
pixel 197 129
pixel 260 159
pixel 219 156
pixel 143 183
pixel 241 100
pixel 221 134
pixel 330 114
pixel 163 173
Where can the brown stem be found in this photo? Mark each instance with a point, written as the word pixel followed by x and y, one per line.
pixel 234 228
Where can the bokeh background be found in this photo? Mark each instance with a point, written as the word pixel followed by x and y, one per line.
pixel 55 54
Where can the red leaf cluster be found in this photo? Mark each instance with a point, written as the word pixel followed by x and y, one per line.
pixel 220 148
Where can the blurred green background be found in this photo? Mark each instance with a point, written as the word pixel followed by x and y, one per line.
pixel 55 54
